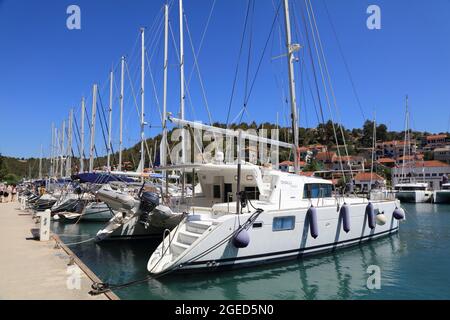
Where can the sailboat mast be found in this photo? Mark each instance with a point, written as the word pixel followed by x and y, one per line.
pixel 290 54
pixel 94 110
pixel 63 132
pixel 406 137
pixel 182 95
pixel 40 163
pixel 69 146
pixel 55 154
pixel 122 79
pixel 111 79
pixel 163 148
pixel 52 150
pixel 83 110
pixel 142 99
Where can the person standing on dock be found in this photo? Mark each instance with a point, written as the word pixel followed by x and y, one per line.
pixel 2 189
pixel 13 192
pixel 6 193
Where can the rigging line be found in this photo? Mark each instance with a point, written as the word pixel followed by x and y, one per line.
pixel 247 71
pixel 238 62
pixel 179 61
pixel 313 98
pixel 71 148
pixel 101 125
pixel 345 61
pixel 317 88
pixel 148 154
pixel 203 38
pixel 330 85
pixel 326 69
pixel 263 54
pixel 303 95
pixel 314 72
pixel 313 66
pixel 132 90
pixel 89 127
pixel 323 78
pixel 154 88
pixel 77 134
pixel 198 71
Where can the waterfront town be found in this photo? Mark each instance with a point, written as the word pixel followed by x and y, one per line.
pixel 423 160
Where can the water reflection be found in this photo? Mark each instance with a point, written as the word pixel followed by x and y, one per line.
pixel 340 275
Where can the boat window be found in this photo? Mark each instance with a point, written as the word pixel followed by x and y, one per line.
pixel 257 225
pixel 216 191
pixel 283 223
pixel 252 193
pixel 410 188
pixel 317 190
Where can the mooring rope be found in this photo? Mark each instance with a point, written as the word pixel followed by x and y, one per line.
pixel 99 288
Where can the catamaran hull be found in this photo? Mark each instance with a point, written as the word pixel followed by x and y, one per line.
pixel 218 265
pixel 415 196
pixel 267 245
pixel 441 196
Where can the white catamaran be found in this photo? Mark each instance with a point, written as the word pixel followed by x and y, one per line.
pixel 255 215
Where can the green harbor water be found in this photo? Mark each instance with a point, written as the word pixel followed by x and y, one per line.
pixel 414 264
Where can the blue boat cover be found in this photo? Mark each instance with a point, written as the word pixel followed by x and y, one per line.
pixel 100 178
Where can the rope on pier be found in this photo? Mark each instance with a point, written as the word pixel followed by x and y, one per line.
pixel 100 288
pixel 74 243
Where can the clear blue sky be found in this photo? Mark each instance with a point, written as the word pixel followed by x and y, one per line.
pixel 45 68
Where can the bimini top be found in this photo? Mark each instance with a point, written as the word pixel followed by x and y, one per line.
pixel 99 178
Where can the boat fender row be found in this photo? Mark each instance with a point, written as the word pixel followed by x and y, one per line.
pixel 311 215
pixel 345 216
pixel 399 213
pixel 370 213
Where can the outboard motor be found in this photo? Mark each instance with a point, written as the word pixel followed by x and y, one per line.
pixel 149 201
pixel 78 190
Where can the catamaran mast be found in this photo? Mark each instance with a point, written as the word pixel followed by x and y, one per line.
pixel 111 79
pixel 142 100
pixel 122 79
pixel 94 110
pixel 291 48
pixel 83 110
pixel 163 148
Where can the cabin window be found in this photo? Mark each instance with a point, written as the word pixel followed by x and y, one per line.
pixel 317 190
pixel 257 225
pixel 252 193
pixel 216 191
pixel 283 223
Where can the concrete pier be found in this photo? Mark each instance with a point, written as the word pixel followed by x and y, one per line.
pixel 32 270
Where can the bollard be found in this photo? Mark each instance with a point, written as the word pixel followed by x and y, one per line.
pixel 22 203
pixel 44 231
